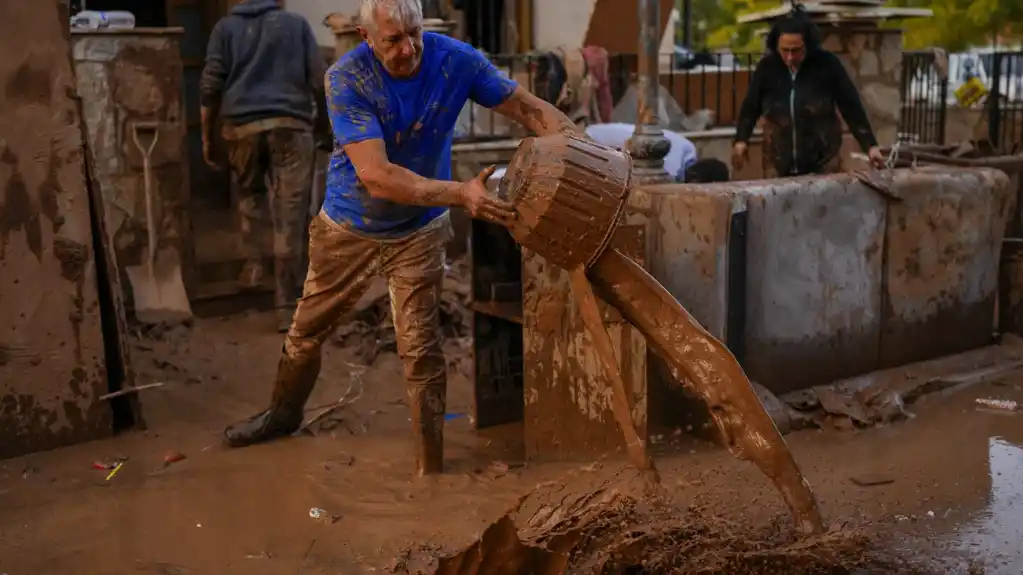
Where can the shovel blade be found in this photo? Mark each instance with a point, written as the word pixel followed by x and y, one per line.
pixel 160 296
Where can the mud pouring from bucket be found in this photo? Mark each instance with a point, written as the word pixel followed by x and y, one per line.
pixel 570 195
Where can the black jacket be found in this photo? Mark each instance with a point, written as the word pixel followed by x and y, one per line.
pixel 804 108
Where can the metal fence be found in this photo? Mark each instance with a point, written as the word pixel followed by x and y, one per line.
pixel 1004 105
pixel 706 91
pixel 924 99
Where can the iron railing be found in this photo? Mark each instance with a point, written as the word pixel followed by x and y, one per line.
pixel 707 88
pixel 925 98
pixel 1005 100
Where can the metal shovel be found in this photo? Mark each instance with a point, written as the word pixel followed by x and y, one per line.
pixel 157 287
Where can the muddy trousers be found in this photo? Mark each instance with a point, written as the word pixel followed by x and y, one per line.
pixel 341 266
pixel 275 167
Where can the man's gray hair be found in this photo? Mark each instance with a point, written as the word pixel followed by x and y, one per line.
pixel 407 12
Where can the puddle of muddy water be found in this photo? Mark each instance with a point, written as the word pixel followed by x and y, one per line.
pixel 994 535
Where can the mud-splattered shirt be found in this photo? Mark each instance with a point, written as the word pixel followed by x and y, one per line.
pixel 415 117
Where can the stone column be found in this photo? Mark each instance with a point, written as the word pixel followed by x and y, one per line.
pixel 873 58
pixel 648 146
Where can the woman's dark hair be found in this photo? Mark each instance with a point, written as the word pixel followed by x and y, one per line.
pixel 707 171
pixel 796 22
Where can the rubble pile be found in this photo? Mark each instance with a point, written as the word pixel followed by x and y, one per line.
pixel 370 329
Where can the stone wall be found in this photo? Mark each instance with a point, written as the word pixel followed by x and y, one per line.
pixel 873 58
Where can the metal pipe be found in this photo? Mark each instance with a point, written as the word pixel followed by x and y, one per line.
pixel 648 146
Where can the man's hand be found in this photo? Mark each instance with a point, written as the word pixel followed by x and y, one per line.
pixel 740 153
pixel 876 158
pixel 207 154
pixel 483 205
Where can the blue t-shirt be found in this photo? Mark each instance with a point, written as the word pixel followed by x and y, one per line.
pixel 414 116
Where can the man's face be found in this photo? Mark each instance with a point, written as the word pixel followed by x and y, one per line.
pixel 792 50
pixel 399 47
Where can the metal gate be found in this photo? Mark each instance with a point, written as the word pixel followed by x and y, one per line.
pixel 1005 100
pixel 924 99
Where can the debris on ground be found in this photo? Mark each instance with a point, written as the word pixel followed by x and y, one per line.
pixel 108 464
pixel 881 397
pixel 872 479
pixel 999 404
pixel 621 527
pixel 172 457
pixel 350 396
pixel 320 514
pixel 370 330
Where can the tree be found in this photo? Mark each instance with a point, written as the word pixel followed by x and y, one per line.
pixel 720 29
pixel 956 25
pixel 960 24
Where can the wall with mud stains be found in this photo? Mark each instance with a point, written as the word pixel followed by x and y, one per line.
pixel 839 280
pixel 51 347
pixel 567 395
pixel 125 77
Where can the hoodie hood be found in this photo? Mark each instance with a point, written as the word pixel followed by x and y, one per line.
pixel 250 8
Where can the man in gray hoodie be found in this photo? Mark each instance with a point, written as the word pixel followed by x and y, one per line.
pixel 263 73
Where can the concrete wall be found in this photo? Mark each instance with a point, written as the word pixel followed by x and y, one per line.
pixel 52 362
pixel 124 78
pixel 873 58
pixel 839 281
pixel 316 10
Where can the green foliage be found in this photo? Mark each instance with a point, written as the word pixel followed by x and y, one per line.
pixel 961 24
pixel 955 26
pixel 720 29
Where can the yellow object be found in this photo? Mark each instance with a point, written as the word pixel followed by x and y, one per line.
pixel 114 472
pixel 970 92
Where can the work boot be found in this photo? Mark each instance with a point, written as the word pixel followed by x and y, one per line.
pixel 427 405
pixel 285 316
pixel 251 277
pixel 294 383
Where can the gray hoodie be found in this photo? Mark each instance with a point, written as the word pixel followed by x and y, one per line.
pixel 262 62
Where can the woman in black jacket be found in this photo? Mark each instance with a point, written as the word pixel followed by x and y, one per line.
pixel 798 87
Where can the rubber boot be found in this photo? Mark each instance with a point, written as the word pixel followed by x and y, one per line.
pixel 294 383
pixel 428 405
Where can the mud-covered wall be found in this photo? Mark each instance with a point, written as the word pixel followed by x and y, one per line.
pixel 567 393
pixel 124 78
pixel 52 366
pixel 839 280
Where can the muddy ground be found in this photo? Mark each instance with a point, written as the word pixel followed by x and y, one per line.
pixel 943 489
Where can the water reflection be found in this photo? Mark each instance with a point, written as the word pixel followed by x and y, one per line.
pixel 995 536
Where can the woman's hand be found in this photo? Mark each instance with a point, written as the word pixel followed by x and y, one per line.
pixel 876 158
pixel 740 153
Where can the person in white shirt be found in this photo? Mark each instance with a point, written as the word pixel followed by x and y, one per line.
pixel 680 157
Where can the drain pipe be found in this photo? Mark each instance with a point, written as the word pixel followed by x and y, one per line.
pixel 648 146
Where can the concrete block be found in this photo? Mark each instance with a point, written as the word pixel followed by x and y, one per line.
pixel 814 277
pixel 941 277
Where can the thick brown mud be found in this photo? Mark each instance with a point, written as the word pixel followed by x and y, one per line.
pixel 570 195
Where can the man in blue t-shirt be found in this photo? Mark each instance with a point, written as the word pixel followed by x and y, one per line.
pixel 393 103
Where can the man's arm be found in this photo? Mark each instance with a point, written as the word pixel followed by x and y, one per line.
pixel 315 70
pixel 538 116
pixel 851 107
pixel 751 110
pixel 494 90
pixel 356 128
pixel 211 87
pixel 387 181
